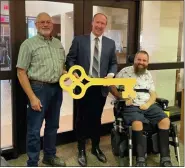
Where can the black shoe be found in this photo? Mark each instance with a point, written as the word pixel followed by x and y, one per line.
pixel 165 162
pixel 99 154
pixel 82 160
pixel 140 162
pixel 54 161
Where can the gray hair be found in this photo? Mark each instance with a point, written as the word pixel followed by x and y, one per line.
pixel 40 14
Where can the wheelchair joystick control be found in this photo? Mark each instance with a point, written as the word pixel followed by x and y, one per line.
pixel 164 106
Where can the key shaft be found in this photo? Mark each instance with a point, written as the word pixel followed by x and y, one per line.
pixel 128 83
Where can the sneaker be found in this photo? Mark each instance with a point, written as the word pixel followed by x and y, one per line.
pixel 140 162
pixel 54 161
pixel 165 162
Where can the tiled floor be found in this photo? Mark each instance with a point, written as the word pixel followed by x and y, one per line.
pixel 66 115
pixel 69 153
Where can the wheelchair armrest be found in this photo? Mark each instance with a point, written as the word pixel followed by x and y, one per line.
pixel 117 102
pixel 162 102
pixel 118 106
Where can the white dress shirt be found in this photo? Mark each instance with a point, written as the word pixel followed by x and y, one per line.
pixel 92 40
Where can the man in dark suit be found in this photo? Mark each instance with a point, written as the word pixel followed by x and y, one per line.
pixel 96 54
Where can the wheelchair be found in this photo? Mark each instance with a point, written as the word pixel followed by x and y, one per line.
pixel 121 134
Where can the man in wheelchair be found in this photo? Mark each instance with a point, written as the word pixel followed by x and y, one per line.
pixel 143 108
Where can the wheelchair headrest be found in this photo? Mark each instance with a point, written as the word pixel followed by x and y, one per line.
pixel 130 58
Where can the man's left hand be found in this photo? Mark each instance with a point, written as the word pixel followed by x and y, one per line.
pixel 65 72
pixel 144 106
pixel 108 76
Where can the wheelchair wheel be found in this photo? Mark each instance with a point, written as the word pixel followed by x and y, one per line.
pixel 115 142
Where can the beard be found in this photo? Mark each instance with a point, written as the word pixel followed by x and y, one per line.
pixel 140 70
pixel 45 32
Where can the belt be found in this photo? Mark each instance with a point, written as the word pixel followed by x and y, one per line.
pixel 42 83
pixel 142 90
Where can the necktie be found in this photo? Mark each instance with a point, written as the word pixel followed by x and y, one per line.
pixel 95 66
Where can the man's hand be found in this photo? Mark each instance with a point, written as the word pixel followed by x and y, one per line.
pixel 129 102
pixel 144 106
pixel 76 75
pixel 65 72
pixel 35 104
pixel 106 77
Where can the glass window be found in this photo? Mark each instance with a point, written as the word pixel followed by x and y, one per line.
pixel 5 55
pixel 6 113
pixel 32 31
pixel 161 28
pixel 167 84
pixel 117 29
pixel 62 17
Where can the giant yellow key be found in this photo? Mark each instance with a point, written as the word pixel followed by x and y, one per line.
pixel 128 83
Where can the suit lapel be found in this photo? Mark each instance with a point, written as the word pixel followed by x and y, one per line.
pixel 88 48
pixel 102 50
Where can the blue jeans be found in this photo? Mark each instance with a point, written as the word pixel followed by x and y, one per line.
pixel 50 96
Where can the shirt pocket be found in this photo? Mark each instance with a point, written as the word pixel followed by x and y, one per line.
pixel 59 53
pixel 41 55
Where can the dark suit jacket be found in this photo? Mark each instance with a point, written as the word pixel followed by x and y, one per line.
pixel 80 54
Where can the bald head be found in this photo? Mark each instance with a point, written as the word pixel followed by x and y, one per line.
pixel 44 24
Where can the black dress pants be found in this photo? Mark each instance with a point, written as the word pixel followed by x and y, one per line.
pixel 89 112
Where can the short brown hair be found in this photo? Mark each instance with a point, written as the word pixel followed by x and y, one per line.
pixel 99 14
pixel 143 52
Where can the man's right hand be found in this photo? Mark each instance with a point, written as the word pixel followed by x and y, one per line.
pixel 129 102
pixel 35 104
pixel 76 75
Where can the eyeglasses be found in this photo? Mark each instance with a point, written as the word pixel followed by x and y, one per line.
pixel 45 22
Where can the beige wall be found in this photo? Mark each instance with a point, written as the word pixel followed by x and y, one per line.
pixel 69 33
pixel 160 28
pixel 159 36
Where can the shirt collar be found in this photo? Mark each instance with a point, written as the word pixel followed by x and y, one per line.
pixel 42 37
pixel 93 37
